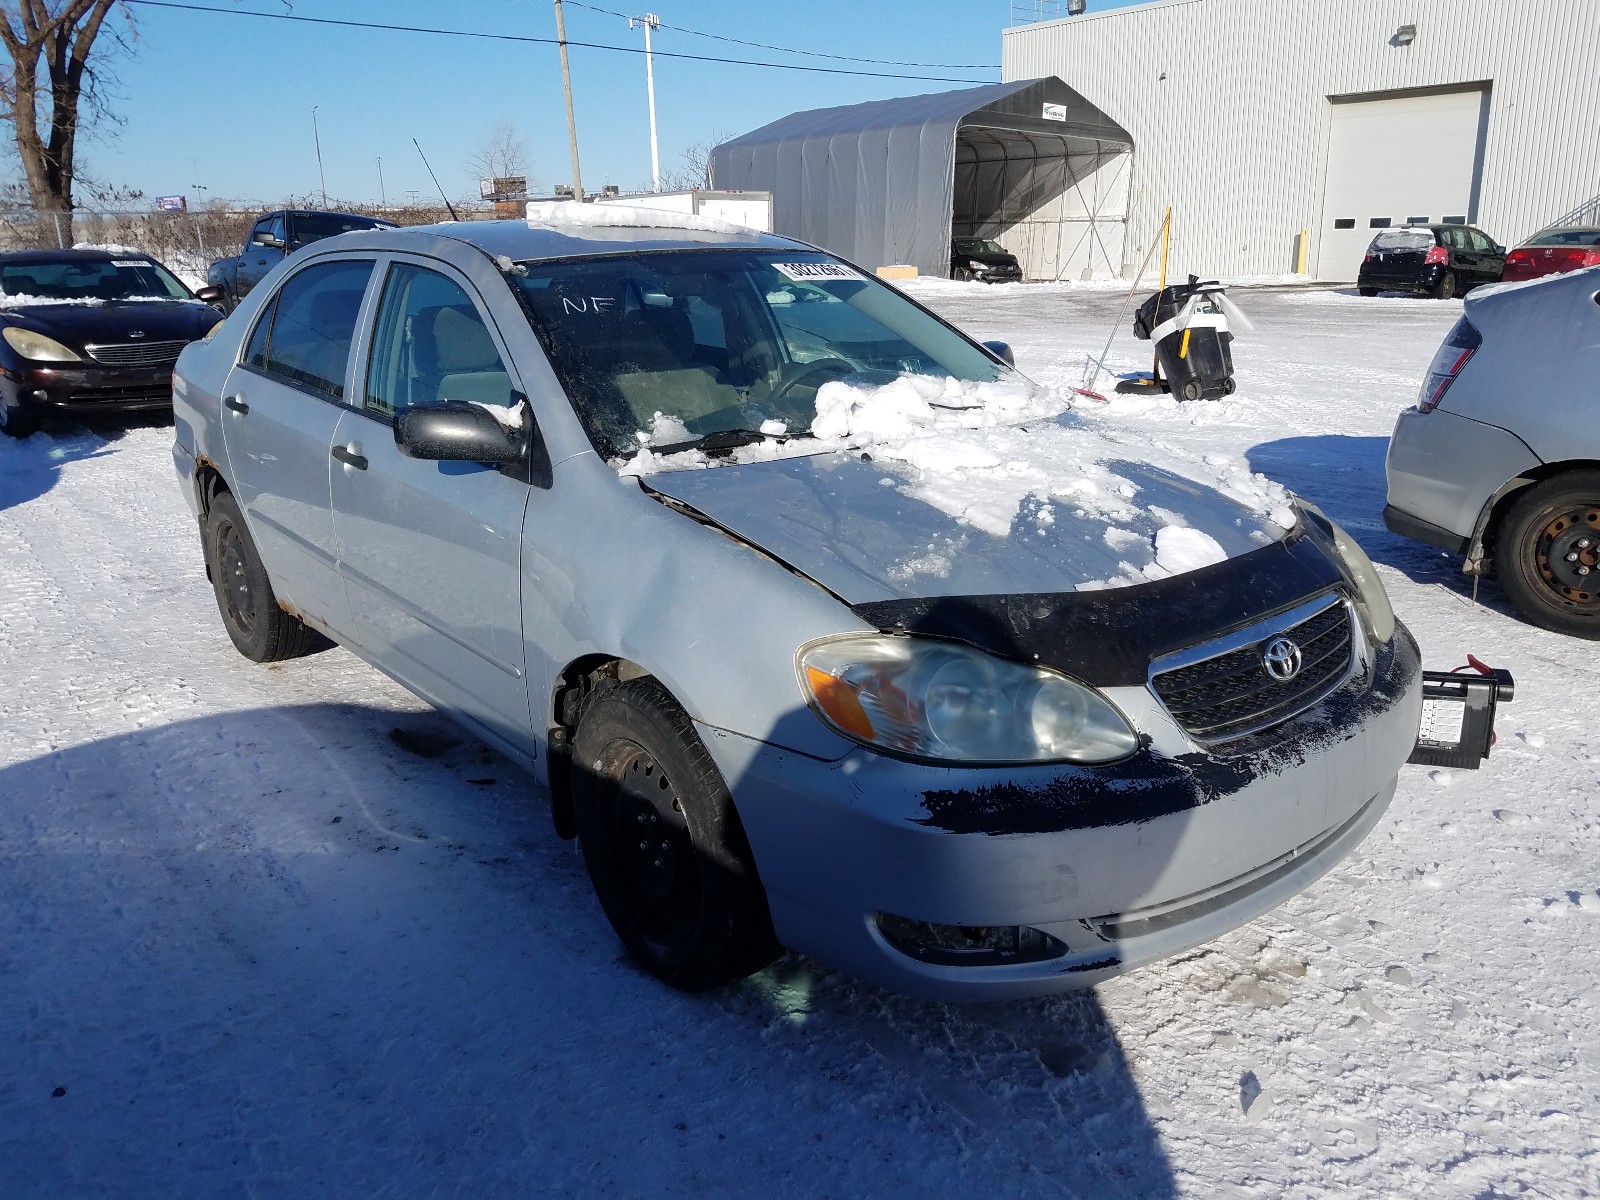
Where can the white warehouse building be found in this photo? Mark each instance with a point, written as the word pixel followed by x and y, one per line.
pixel 1257 119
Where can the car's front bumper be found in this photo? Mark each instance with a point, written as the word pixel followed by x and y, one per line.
pixel 82 389
pixel 1119 865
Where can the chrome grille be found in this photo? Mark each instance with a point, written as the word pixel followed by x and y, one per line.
pixel 137 354
pixel 1228 693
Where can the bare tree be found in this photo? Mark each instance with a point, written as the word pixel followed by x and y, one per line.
pixel 693 171
pixel 43 90
pixel 504 155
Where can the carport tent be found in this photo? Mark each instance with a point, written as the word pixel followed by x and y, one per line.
pixel 1030 163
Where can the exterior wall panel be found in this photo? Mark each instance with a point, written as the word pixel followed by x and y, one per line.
pixel 1228 105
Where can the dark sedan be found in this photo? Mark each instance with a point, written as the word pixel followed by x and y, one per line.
pixel 983 260
pixel 1430 260
pixel 84 332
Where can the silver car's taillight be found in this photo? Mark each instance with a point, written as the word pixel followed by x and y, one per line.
pixel 1459 345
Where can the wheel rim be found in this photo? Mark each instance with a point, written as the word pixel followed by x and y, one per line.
pixel 654 854
pixel 236 590
pixel 1566 554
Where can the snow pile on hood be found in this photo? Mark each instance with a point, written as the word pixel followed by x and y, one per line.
pixel 572 214
pixel 980 452
pixel 22 300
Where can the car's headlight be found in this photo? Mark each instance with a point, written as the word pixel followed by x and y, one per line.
pixel 36 346
pixel 212 332
pixel 975 265
pixel 1372 599
pixel 930 699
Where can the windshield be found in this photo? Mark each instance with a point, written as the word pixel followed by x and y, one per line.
pixel 979 246
pixel 1567 237
pixel 313 227
pixel 675 345
pixel 92 279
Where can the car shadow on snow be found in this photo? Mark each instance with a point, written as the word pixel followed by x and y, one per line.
pixel 1344 476
pixel 30 467
pixel 342 944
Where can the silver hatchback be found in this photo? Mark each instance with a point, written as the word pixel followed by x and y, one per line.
pixel 638 506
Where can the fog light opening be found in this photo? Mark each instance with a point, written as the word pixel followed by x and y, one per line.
pixel 968 945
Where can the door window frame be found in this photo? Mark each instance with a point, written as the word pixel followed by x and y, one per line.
pixel 269 312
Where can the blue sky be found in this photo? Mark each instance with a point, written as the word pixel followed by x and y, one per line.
pixel 224 100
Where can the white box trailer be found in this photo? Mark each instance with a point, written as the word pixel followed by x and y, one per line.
pixel 750 209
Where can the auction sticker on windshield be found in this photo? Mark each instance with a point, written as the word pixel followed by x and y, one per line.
pixel 802 271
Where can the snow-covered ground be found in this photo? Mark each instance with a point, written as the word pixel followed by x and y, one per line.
pixel 281 931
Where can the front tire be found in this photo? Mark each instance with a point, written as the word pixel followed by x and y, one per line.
pixel 17 424
pixel 663 845
pixel 1548 554
pixel 259 628
pixel 1367 291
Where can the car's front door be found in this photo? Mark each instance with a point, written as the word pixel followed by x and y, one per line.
pixel 281 404
pixel 258 258
pixel 431 552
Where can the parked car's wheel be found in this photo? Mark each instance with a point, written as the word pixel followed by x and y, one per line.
pixel 961 275
pixel 663 844
pixel 1548 554
pixel 260 630
pixel 1367 291
pixel 1446 287
pixel 17 424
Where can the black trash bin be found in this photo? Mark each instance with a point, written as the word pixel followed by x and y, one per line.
pixel 1190 330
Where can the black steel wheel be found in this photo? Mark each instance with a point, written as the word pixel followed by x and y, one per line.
pixel 1548 554
pixel 663 845
pixel 257 625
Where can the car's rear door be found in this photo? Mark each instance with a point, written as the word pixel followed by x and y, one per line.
pixel 1489 259
pixel 431 552
pixel 281 405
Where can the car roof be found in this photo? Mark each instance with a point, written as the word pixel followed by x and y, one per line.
pixel 524 241
pixel 39 256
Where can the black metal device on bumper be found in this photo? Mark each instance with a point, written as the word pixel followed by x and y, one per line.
pixel 1458 710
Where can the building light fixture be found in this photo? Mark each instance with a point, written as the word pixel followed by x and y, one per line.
pixel 1404 36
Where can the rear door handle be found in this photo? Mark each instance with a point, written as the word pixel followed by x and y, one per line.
pixel 350 458
pixel 237 404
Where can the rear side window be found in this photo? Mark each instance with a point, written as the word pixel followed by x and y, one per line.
pixel 306 337
pixel 430 344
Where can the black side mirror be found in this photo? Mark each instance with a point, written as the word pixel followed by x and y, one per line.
pixel 267 240
pixel 1002 351
pixel 456 431
pixel 210 293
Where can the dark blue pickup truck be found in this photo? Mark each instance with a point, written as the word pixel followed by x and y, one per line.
pixel 274 236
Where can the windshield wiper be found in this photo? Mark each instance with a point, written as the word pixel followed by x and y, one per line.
pixel 725 440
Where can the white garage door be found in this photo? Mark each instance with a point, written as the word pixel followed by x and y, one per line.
pixel 1395 160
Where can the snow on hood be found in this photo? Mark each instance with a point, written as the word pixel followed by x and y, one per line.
pixel 937 487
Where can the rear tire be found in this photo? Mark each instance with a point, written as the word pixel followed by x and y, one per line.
pixel 259 628
pixel 1546 524
pixel 1368 291
pixel 1446 287
pixel 664 847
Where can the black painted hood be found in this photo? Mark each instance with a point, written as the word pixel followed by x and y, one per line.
pixel 131 321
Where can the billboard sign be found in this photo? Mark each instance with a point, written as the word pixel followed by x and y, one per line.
pixel 172 203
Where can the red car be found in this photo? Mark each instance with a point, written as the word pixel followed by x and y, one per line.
pixel 1564 248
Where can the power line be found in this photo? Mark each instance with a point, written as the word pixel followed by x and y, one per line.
pixel 882 62
pixel 540 41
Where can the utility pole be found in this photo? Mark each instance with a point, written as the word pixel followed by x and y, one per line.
pixel 199 187
pixel 650 21
pixel 317 137
pixel 382 203
pixel 566 83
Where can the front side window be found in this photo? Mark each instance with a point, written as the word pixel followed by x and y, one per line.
pixel 311 325
pixel 714 340
pixel 430 344
pixel 92 279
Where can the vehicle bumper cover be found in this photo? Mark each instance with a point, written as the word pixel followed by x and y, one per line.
pixel 1407 279
pixel 1443 468
pixel 72 389
pixel 1122 865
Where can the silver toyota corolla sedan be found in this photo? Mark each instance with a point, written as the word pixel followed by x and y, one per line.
pixel 1499 459
pixel 585 486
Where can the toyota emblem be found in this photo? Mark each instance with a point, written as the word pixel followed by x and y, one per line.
pixel 136 333
pixel 1280 659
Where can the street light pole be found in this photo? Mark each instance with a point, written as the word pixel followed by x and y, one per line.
pixel 566 83
pixel 199 187
pixel 317 137
pixel 382 203
pixel 650 21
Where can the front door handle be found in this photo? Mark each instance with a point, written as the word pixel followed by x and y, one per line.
pixel 350 458
pixel 237 404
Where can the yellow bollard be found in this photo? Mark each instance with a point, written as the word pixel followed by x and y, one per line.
pixel 1300 255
